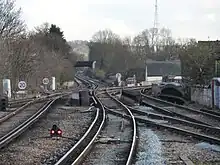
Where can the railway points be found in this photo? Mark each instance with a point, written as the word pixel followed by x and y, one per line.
pixel 117 133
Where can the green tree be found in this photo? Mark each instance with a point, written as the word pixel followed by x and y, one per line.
pixel 54 39
pixel 198 62
pixel 55 30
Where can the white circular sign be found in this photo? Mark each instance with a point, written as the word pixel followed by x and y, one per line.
pixel 46 81
pixel 22 85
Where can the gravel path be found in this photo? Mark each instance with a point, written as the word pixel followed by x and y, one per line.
pixel 35 147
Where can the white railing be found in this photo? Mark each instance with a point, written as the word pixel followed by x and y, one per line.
pixel 150 82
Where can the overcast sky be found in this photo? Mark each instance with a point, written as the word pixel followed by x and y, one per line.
pixel 79 19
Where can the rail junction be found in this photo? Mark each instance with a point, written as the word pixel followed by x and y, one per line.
pixel 123 125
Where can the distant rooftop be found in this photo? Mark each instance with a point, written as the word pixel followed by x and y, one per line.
pixel 163 62
pixel 215 42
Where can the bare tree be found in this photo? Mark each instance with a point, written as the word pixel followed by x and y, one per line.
pixel 105 36
pixel 11 24
pixel 4 63
pixel 21 59
pixel 42 29
pixel 142 46
pixel 166 37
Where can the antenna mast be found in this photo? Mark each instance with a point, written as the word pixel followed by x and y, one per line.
pixel 155 27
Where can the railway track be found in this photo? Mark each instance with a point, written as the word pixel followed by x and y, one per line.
pixel 16 122
pixel 78 152
pixel 8 114
pixel 133 122
pixel 21 102
pixel 81 149
pixel 177 126
pixel 196 129
pixel 193 133
pixel 114 146
pixel 25 122
pixel 215 131
pixel 160 108
pixel 36 146
pixel 126 136
pixel 180 111
pixel 205 117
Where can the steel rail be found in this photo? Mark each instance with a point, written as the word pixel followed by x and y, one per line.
pixel 16 111
pixel 25 125
pixel 134 138
pixel 65 158
pixel 94 130
pixel 169 127
pixel 181 106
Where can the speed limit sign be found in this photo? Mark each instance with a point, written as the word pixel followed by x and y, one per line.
pixel 22 85
pixel 46 81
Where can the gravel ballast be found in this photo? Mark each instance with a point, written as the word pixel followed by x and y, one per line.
pixel 113 144
pixel 36 147
pixel 160 147
pixel 18 118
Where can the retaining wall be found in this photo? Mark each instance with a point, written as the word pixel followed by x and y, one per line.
pixel 202 96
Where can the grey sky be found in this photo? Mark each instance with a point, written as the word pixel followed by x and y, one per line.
pixel 79 19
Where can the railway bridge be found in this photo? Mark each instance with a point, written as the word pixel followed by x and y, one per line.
pixel 90 64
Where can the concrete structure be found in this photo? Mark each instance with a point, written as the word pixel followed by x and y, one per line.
pixel 74 100
pixel 215 90
pixel 171 88
pixel 68 84
pixel 146 79
pixel 207 96
pixel 84 98
pixel 53 84
pixel 7 87
pixel 202 96
pixel 152 80
pixel 118 77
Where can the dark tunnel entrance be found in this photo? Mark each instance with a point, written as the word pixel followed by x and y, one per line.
pixel 171 91
pixel 172 95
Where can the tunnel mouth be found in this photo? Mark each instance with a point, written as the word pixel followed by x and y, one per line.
pixel 172 95
pixel 172 100
pixel 172 92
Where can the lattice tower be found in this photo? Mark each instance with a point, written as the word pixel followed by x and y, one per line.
pixel 155 34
